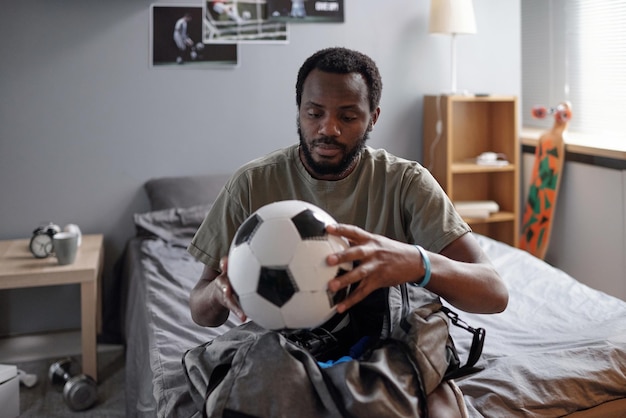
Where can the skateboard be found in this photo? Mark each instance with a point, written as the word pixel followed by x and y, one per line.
pixel 545 179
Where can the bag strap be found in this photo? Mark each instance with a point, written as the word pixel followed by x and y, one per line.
pixel 478 337
pixel 476 349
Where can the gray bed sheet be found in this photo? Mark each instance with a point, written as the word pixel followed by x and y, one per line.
pixel 560 346
pixel 158 325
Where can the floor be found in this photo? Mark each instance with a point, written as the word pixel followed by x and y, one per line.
pixel 33 354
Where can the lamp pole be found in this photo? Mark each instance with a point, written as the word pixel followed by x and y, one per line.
pixel 453 63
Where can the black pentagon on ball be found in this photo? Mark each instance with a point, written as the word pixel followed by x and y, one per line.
pixel 246 229
pixel 309 225
pixel 339 296
pixel 276 285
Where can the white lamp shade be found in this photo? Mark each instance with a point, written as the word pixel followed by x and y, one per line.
pixel 452 17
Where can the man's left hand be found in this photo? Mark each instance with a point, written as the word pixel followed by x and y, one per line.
pixel 383 262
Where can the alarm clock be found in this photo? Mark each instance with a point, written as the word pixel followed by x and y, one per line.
pixel 41 244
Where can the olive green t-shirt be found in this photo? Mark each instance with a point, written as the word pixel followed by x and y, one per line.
pixel 384 194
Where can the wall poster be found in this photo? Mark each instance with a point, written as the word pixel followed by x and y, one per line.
pixel 176 36
pixel 305 11
pixel 241 21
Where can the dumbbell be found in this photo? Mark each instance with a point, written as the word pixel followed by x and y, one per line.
pixel 79 390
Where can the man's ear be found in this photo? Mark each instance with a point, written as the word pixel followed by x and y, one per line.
pixel 374 118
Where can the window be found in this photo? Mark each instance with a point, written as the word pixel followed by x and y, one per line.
pixel 576 50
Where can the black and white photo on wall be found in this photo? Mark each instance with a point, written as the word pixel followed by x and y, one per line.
pixel 242 21
pixel 176 35
pixel 306 11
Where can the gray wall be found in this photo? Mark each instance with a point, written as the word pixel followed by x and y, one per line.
pixel 85 121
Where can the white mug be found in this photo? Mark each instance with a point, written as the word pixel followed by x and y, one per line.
pixel 74 229
pixel 65 246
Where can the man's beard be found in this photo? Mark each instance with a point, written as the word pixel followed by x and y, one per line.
pixel 323 169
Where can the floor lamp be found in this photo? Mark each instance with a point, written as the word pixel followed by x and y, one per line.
pixel 452 17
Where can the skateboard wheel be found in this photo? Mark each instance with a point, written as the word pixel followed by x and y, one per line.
pixel 562 114
pixel 539 112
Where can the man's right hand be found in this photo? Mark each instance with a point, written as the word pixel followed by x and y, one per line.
pixel 213 298
pixel 227 295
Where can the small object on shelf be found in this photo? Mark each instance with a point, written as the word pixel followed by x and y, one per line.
pixel 492 158
pixel 476 208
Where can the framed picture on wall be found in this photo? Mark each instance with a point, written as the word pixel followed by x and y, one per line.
pixel 305 11
pixel 242 21
pixel 176 36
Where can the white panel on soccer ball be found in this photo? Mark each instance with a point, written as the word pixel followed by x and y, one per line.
pixel 307 310
pixel 339 244
pixel 243 269
pixel 308 265
pixel 261 311
pixel 281 209
pixel 274 241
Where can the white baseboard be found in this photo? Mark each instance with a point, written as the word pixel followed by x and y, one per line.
pixel 31 347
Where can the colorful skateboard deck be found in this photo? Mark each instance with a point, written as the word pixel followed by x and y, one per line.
pixel 545 179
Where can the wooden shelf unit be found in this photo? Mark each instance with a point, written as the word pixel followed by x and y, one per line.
pixel 470 126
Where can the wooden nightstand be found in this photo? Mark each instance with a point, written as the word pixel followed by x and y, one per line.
pixel 18 269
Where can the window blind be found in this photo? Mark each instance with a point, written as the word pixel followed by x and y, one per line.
pixel 576 50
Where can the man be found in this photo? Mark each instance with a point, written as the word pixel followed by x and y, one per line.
pixel 182 40
pixel 385 206
pixel 298 9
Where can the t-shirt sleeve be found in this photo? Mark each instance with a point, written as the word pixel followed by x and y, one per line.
pixel 435 222
pixel 212 239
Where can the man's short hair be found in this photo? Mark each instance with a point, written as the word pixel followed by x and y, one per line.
pixel 343 61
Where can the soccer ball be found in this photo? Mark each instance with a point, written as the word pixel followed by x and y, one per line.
pixel 277 266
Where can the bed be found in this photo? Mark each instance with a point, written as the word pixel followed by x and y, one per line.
pixel 558 350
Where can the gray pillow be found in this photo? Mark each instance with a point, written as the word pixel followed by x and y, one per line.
pixel 176 225
pixel 183 191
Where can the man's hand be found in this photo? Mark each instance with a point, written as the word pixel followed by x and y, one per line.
pixel 383 262
pixel 213 297
pixel 227 294
pixel 461 273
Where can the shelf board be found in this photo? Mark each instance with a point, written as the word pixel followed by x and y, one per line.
pixel 494 217
pixel 474 98
pixel 463 167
